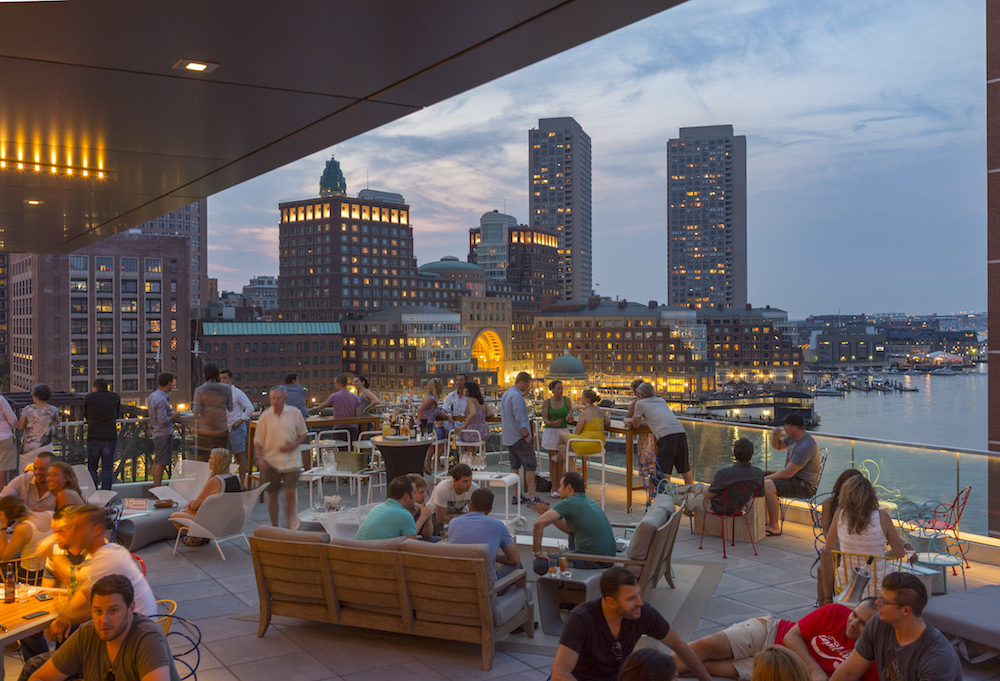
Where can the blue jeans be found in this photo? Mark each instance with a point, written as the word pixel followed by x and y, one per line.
pixel 101 452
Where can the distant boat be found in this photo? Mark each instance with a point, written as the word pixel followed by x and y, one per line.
pixel 944 371
pixel 830 392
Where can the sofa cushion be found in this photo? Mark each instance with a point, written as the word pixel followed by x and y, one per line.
pixel 509 604
pixel 284 534
pixel 392 544
pixel 444 550
pixel 659 513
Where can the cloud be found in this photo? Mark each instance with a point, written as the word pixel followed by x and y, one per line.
pixel 865 134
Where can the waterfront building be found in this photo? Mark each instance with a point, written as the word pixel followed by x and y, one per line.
pixel 190 222
pixel 521 263
pixel 618 341
pixel 752 345
pixel 118 309
pixel 559 190
pixel 398 349
pixel 260 354
pixel 707 217
pixel 863 349
pixel 488 320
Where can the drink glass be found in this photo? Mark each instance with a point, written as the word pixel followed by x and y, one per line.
pixel 22 593
pixel 562 564
pixel 553 566
pixel 386 429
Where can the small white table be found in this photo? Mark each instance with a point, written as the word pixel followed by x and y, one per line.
pixel 316 475
pixel 506 481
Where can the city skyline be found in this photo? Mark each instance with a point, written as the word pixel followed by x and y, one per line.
pixel 865 129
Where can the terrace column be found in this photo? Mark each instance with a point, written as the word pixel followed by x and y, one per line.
pixel 993 250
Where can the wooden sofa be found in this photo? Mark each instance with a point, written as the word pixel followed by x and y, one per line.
pixel 399 585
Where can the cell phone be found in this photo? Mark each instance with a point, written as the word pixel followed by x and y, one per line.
pixel 36 614
pixel 43 596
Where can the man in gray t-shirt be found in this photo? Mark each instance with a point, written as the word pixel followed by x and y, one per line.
pixel 903 646
pixel 799 477
pixel 136 644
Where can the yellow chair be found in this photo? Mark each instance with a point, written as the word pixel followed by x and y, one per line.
pixel 844 564
pixel 164 614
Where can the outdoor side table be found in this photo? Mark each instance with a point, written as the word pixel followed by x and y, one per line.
pixel 402 457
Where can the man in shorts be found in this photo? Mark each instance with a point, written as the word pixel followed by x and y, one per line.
pixel 515 434
pixel 671 439
pixel 276 441
pixel 800 476
pixel 823 639
pixel 161 419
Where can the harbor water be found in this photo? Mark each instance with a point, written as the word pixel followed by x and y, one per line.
pixel 947 411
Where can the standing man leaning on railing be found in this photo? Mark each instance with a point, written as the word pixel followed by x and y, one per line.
pixel 213 400
pixel 101 408
pixel 238 419
pixel 161 419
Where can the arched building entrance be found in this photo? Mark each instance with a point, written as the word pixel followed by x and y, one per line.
pixel 488 351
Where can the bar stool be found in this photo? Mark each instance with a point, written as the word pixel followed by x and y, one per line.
pixel 375 464
pixel 602 454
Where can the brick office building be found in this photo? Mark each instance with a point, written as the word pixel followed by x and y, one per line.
pixel 260 354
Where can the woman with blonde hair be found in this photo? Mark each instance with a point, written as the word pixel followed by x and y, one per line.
pixel 221 480
pixel 63 485
pixel 590 425
pixel 427 413
pixel 858 526
pixel 778 663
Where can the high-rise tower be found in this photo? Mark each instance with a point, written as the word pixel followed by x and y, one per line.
pixel 707 217
pixel 559 184
pixel 332 182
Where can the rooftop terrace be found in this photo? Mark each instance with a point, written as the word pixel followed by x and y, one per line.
pixel 221 597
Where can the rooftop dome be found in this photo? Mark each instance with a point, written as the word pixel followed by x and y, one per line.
pixel 450 264
pixel 566 366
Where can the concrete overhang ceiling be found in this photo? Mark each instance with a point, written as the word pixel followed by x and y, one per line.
pixel 101 129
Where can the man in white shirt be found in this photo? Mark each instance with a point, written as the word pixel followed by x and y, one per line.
pixel 276 441
pixel 238 419
pixel 454 402
pixel 87 534
pixel 451 496
pixel 30 486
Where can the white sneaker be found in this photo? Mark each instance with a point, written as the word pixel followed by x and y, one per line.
pixel 555 495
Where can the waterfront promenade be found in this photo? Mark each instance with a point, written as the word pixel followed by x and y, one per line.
pixel 221 597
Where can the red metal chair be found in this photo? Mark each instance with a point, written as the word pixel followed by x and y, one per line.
pixel 945 517
pixel 736 501
pixel 141 564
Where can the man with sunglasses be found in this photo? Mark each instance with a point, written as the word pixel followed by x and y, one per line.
pixel 600 634
pixel 823 640
pixel 901 643
pixel 118 645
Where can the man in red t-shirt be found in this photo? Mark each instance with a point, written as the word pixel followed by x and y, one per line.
pixel 823 639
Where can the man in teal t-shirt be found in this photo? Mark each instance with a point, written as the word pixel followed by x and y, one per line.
pixel 581 518
pixel 392 518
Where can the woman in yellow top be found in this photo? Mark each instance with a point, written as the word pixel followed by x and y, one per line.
pixel 590 425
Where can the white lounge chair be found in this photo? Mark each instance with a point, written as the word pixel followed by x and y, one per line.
pixel 189 478
pixel 221 517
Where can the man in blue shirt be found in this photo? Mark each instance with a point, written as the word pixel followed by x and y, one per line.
pixel 476 527
pixel 392 518
pixel 515 434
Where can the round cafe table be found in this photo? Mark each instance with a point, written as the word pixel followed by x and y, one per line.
pixel 403 456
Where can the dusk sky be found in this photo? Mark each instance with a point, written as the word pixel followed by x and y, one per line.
pixel 866 146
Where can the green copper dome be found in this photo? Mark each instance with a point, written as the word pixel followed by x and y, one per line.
pixel 567 366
